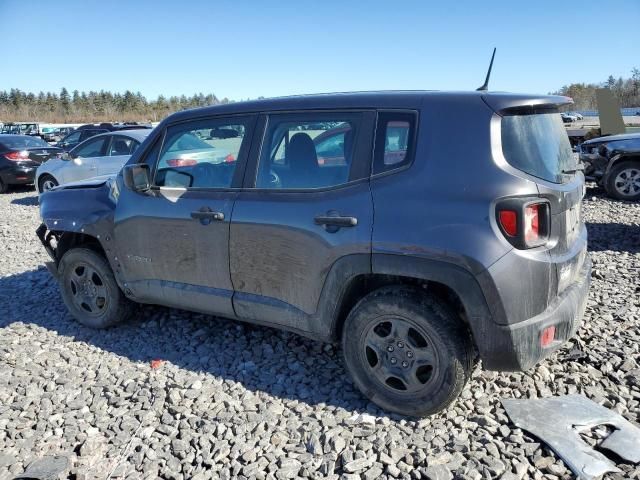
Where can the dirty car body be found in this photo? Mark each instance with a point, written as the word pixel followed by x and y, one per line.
pixel 248 240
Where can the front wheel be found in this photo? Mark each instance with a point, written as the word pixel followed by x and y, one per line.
pixel 623 181
pixel 89 289
pixel 46 183
pixel 407 351
pixel 3 186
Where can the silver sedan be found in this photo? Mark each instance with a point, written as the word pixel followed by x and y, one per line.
pixel 103 154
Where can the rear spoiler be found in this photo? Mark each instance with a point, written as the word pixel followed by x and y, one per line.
pixel 524 104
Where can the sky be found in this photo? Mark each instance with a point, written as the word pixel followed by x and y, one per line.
pixel 247 49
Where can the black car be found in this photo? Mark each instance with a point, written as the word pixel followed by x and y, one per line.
pixel 20 156
pixel 393 248
pixel 87 131
pixel 614 162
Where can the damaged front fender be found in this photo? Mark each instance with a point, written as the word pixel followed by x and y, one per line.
pixel 77 214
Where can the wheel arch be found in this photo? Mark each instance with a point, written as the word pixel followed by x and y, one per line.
pixel 621 157
pixel 451 283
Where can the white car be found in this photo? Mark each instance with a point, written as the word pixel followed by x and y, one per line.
pixel 103 154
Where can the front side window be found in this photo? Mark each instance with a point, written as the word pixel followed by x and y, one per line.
pixel 303 153
pixel 73 138
pixel 93 148
pixel 202 154
pixel 122 146
pixel 394 141
pixel 538 144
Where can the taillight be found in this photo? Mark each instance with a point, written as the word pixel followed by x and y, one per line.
pixel 229 158
pixel 17 156
pixel 524 222
pixel 509 222
pixel 532 223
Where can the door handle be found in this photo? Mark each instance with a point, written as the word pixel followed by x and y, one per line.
pixel 335 221
pixel 205 215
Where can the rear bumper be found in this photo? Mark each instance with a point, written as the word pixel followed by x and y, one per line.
pixel 518 346
pixel 18 175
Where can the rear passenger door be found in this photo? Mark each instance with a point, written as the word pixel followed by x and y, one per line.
pixel 299 213
pixel 119 150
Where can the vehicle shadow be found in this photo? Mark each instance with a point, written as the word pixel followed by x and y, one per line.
pixel 262 359
pixel 26 201
pixel 617 237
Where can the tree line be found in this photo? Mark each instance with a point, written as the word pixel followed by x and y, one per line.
pixel 105 106
pixel 102 106
pixel 626 90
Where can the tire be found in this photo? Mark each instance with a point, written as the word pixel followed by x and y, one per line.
pixel 46 182
pixel 408 325
pixel 4 188
pixel 89 289
pixel 623 181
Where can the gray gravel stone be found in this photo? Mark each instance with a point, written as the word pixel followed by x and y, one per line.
pixel 231 400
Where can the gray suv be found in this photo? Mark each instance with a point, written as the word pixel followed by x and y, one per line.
pixel 368 219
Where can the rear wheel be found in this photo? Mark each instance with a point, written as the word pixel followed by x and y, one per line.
pixel 46 183
pixel 407 351
pixel 623 181
pixel 90 291
pixel 3 187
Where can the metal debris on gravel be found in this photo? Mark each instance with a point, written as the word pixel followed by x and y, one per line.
pixel 229 400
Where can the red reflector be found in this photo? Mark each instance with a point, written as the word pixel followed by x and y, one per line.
pixel 17 156
pixel 547 336
pixel 532 223
pixel 229 159
pixel 508 221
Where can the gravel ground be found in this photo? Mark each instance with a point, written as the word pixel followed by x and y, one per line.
pixel 230 400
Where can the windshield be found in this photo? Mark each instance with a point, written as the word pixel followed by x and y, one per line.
pixel 538 145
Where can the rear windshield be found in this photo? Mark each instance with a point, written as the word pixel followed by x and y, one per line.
pixel 538 145
pixel 23 142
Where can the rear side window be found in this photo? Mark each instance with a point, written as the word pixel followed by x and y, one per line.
pixel 395 139
pixel 306 151
pixel 538 144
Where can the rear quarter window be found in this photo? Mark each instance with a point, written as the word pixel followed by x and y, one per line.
pixel 538 144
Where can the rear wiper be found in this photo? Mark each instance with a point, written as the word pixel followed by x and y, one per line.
pixel 579 168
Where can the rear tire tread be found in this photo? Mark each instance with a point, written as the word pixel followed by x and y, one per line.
pixel 440 318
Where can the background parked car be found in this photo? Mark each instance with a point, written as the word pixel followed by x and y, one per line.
pixel 102 154
pixel 568 118
pixel 87 131
pixel 578 116
pixel 20 156
pixel 614 162
pixel 57 134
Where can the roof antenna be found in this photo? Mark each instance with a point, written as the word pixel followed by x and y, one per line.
pixel 485 85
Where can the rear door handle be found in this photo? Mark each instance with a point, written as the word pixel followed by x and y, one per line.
pixel 206 215
pixel 336 221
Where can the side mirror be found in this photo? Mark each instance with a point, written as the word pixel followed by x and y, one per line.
pixel 136 177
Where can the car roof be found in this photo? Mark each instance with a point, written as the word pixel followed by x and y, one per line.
pixel 376 99
pixel 609 138
pixel 139 134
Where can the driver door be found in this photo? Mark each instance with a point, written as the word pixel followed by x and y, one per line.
pixel 83 163
pixel 173 241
